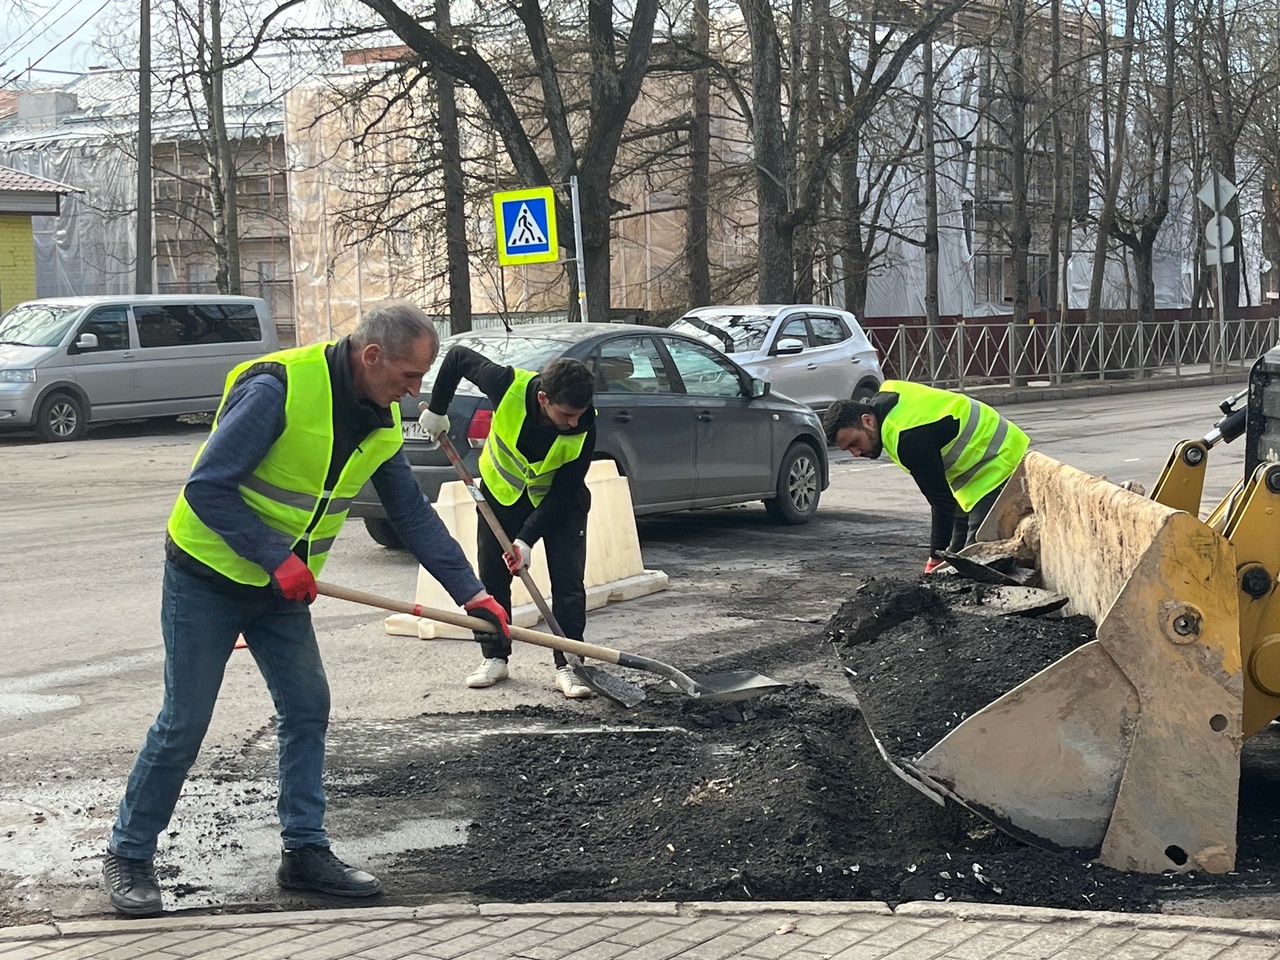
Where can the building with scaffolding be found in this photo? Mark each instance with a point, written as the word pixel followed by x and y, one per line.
pixel 85 132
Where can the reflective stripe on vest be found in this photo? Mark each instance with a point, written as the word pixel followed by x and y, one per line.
pixel 983 454
pixel 287 489
pixel 505 470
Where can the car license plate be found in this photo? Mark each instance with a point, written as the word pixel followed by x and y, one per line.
pixel 412 430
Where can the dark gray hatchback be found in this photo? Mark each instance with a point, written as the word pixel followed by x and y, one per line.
pixel 686 425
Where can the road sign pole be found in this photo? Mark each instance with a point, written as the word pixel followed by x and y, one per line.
pixel 1221 297
pixel 577 249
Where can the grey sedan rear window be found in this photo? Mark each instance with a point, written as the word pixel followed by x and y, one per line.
pixel 513 350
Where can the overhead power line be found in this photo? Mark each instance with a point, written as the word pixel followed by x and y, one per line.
pixel 12 45
pixel 14 76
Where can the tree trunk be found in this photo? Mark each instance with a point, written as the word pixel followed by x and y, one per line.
pixel 809 50
pixel 1055 311
pixel 852 253
pixel 936 351
pixel 696 254
pixel 1114 169
pixel 1020 233
pixel 1144 271
pixel 222 166
pixel 457 250
pixel 775 254
pixel 1020 228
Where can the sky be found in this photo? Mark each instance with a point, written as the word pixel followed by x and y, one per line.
pixel 51 35
pixel 40 37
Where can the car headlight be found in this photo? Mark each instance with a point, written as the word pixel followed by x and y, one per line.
pixel 17 376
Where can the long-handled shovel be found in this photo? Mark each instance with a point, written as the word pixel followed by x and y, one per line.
pixel 615 688
pixel 733 685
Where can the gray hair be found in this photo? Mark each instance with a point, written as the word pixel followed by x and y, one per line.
pixel 395 325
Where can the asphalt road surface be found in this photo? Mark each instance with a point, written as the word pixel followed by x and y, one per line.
pixel 81 534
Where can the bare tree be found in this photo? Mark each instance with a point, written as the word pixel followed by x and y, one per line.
pixel 788 194
pixel 1115 148
pixel 614 74
pixel 205 138
pixel 1138 220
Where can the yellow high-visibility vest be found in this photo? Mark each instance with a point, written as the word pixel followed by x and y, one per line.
pixel 506 471
pixel 287 489
pixel 984 452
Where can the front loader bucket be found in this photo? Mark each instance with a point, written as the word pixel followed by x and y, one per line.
pixel 1129 747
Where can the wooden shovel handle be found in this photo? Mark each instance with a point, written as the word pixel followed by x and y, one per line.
pixel 524 635
pixel 499 534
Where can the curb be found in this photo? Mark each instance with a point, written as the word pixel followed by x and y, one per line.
pixel 1095 388
pixel 1253 929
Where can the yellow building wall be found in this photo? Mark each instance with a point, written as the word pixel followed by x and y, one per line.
pixel 17 261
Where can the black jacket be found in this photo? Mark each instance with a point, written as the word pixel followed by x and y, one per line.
pixel 567 498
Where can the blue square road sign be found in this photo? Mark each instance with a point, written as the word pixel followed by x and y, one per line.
pixel 526 226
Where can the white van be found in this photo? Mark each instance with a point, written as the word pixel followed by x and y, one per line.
pixel 68 362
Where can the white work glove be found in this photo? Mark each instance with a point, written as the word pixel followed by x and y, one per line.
pixel 518 559
pixel 432 424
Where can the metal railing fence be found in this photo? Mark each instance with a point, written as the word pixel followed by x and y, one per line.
pixel 976 352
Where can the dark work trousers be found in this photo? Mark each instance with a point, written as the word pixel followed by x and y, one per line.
pixel 964 530
pixel 566 551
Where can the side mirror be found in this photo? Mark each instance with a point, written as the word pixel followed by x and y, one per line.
pixel 759 388
pixel 87 341
pixel 788 346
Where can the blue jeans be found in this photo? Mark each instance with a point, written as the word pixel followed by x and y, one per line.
pixel 200 625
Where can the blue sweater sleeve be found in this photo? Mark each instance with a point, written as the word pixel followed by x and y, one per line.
pixel 422 531
pixel 250 422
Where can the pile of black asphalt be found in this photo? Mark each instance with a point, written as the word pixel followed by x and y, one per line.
pixel 781 797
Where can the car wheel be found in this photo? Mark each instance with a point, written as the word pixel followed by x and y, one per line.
pixel 866 390
pixel 60 417
pixel 799 485
pixel 383 533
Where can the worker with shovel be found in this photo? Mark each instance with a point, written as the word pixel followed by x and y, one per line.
pixel 533 472
pixel 297 434
pixel 958 450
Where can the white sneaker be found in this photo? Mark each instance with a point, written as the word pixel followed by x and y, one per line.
pixel 567 682
pixel 488 673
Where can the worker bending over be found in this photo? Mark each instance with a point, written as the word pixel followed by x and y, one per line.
pixel 533 473
pixel 958 450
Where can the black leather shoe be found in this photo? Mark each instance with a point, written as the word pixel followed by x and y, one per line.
pixel 316 868
pixel 131 885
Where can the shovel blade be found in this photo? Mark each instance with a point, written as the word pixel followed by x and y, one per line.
pixel 622 692
pixel 979 571
pixel 735 685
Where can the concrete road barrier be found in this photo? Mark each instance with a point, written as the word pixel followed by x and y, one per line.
pixel 615 569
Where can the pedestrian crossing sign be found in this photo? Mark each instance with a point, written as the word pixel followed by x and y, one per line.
pixel 525 222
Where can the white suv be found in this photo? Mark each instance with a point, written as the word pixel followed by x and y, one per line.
pixel 813 354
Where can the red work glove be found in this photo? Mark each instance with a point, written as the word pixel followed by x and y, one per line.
pixel 293 581
pixel 487 608
pixel 932 564
pixel 518 558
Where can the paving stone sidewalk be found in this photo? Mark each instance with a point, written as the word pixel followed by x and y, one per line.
pixel 659 931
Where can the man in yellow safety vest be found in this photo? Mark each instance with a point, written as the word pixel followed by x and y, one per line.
pixel 958 450
pixel 533 472
pixel 298 432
